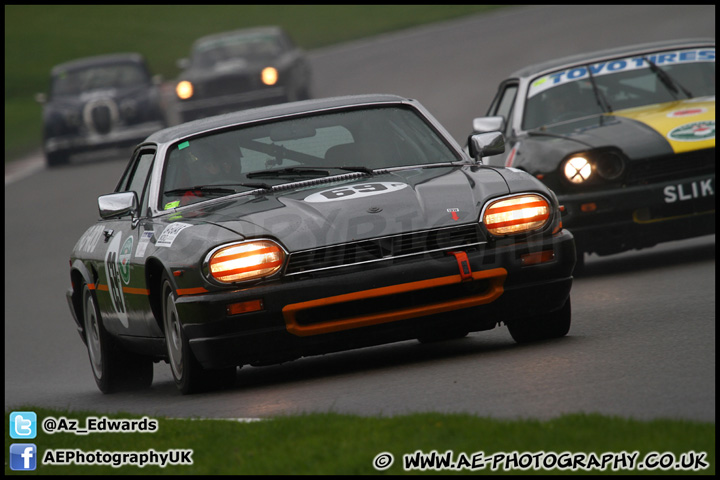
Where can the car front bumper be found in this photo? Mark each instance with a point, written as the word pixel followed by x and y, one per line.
pixel 613 221
pixel 372 306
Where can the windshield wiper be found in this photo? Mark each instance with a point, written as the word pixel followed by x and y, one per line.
pixel 367 170
pixel 289 171
pixel 216 189
pixel 599 96
pixel 667 80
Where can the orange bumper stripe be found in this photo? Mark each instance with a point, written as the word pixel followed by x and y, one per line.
pixel 191 291
pixel 496 276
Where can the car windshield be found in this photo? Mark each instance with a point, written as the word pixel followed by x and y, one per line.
pixel 310 146
pixel 247 46
pixel 97 77
pixel 619 84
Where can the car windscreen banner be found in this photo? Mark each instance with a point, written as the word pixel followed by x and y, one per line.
pixel 609 67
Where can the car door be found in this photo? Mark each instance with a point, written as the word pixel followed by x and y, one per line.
pixel 126 302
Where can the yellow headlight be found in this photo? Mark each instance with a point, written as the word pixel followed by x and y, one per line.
pixel 246 261
pixel 578 169
pixel 184 90
pixel 269 76
pixel 518 214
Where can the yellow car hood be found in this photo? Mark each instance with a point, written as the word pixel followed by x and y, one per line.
pixel 686 124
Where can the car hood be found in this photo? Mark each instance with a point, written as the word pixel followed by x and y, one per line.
pixel 643 132
pixel 357 209
pixel 235 66
pixel 115 94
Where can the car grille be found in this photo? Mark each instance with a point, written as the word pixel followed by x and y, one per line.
pixel 101 118
pixel 230 85
pixel 406 245
pixel 671 167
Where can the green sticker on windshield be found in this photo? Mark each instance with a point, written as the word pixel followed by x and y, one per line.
pixel 183 145
pixel 170 205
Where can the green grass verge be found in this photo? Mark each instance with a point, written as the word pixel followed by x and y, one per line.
pixel 326 444
pixel 37 37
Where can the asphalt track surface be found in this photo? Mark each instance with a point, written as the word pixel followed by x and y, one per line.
pixel 642 343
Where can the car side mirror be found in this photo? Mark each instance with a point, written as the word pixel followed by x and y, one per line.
pixel 486 144
pixel 118 205
pixel 488 124
pixel 183 63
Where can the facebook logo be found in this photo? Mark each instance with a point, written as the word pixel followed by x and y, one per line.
pixel 23 425
pixel 23 456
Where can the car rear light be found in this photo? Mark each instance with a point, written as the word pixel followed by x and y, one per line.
pixel 516 215
pixel 246 261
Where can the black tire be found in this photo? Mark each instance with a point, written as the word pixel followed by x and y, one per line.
pixel 114 369
pixel 56 159
pixel 551 325
pixel 187 372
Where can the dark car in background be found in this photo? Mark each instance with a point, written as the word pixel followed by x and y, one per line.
pixel 268 234
pixel 241 69
pixel 101 102
pixel 625 137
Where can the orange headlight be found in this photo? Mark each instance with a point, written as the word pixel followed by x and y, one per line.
pixel 517 214
pixel 246 261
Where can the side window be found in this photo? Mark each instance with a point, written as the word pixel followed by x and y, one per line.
pixel 504 105
pixel 137 177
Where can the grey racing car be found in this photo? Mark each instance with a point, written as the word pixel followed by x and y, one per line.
pixel 269 234
pixel 625 137
pixel 241 69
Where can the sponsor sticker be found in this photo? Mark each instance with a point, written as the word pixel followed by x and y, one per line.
pixel 689 191
pixel 124 260
pixel 168 236
pixel 89 239
pixel 112 271
pixel 351 192
pixel 686 112
pixel 620 65
pixel 693 132
pixel 143 243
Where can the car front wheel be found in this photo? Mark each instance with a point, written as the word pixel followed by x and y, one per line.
pixel 187 372
pixel 543 327
pixel 56 158
pixel 113 368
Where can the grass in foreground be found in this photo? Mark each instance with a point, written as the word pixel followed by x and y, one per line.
pixel 330 443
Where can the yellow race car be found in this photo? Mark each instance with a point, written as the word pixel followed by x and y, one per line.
pixel 624 137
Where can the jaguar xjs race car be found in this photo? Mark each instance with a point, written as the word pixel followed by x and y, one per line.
pixel 241 69
pixel 264 235
pixel 624 137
